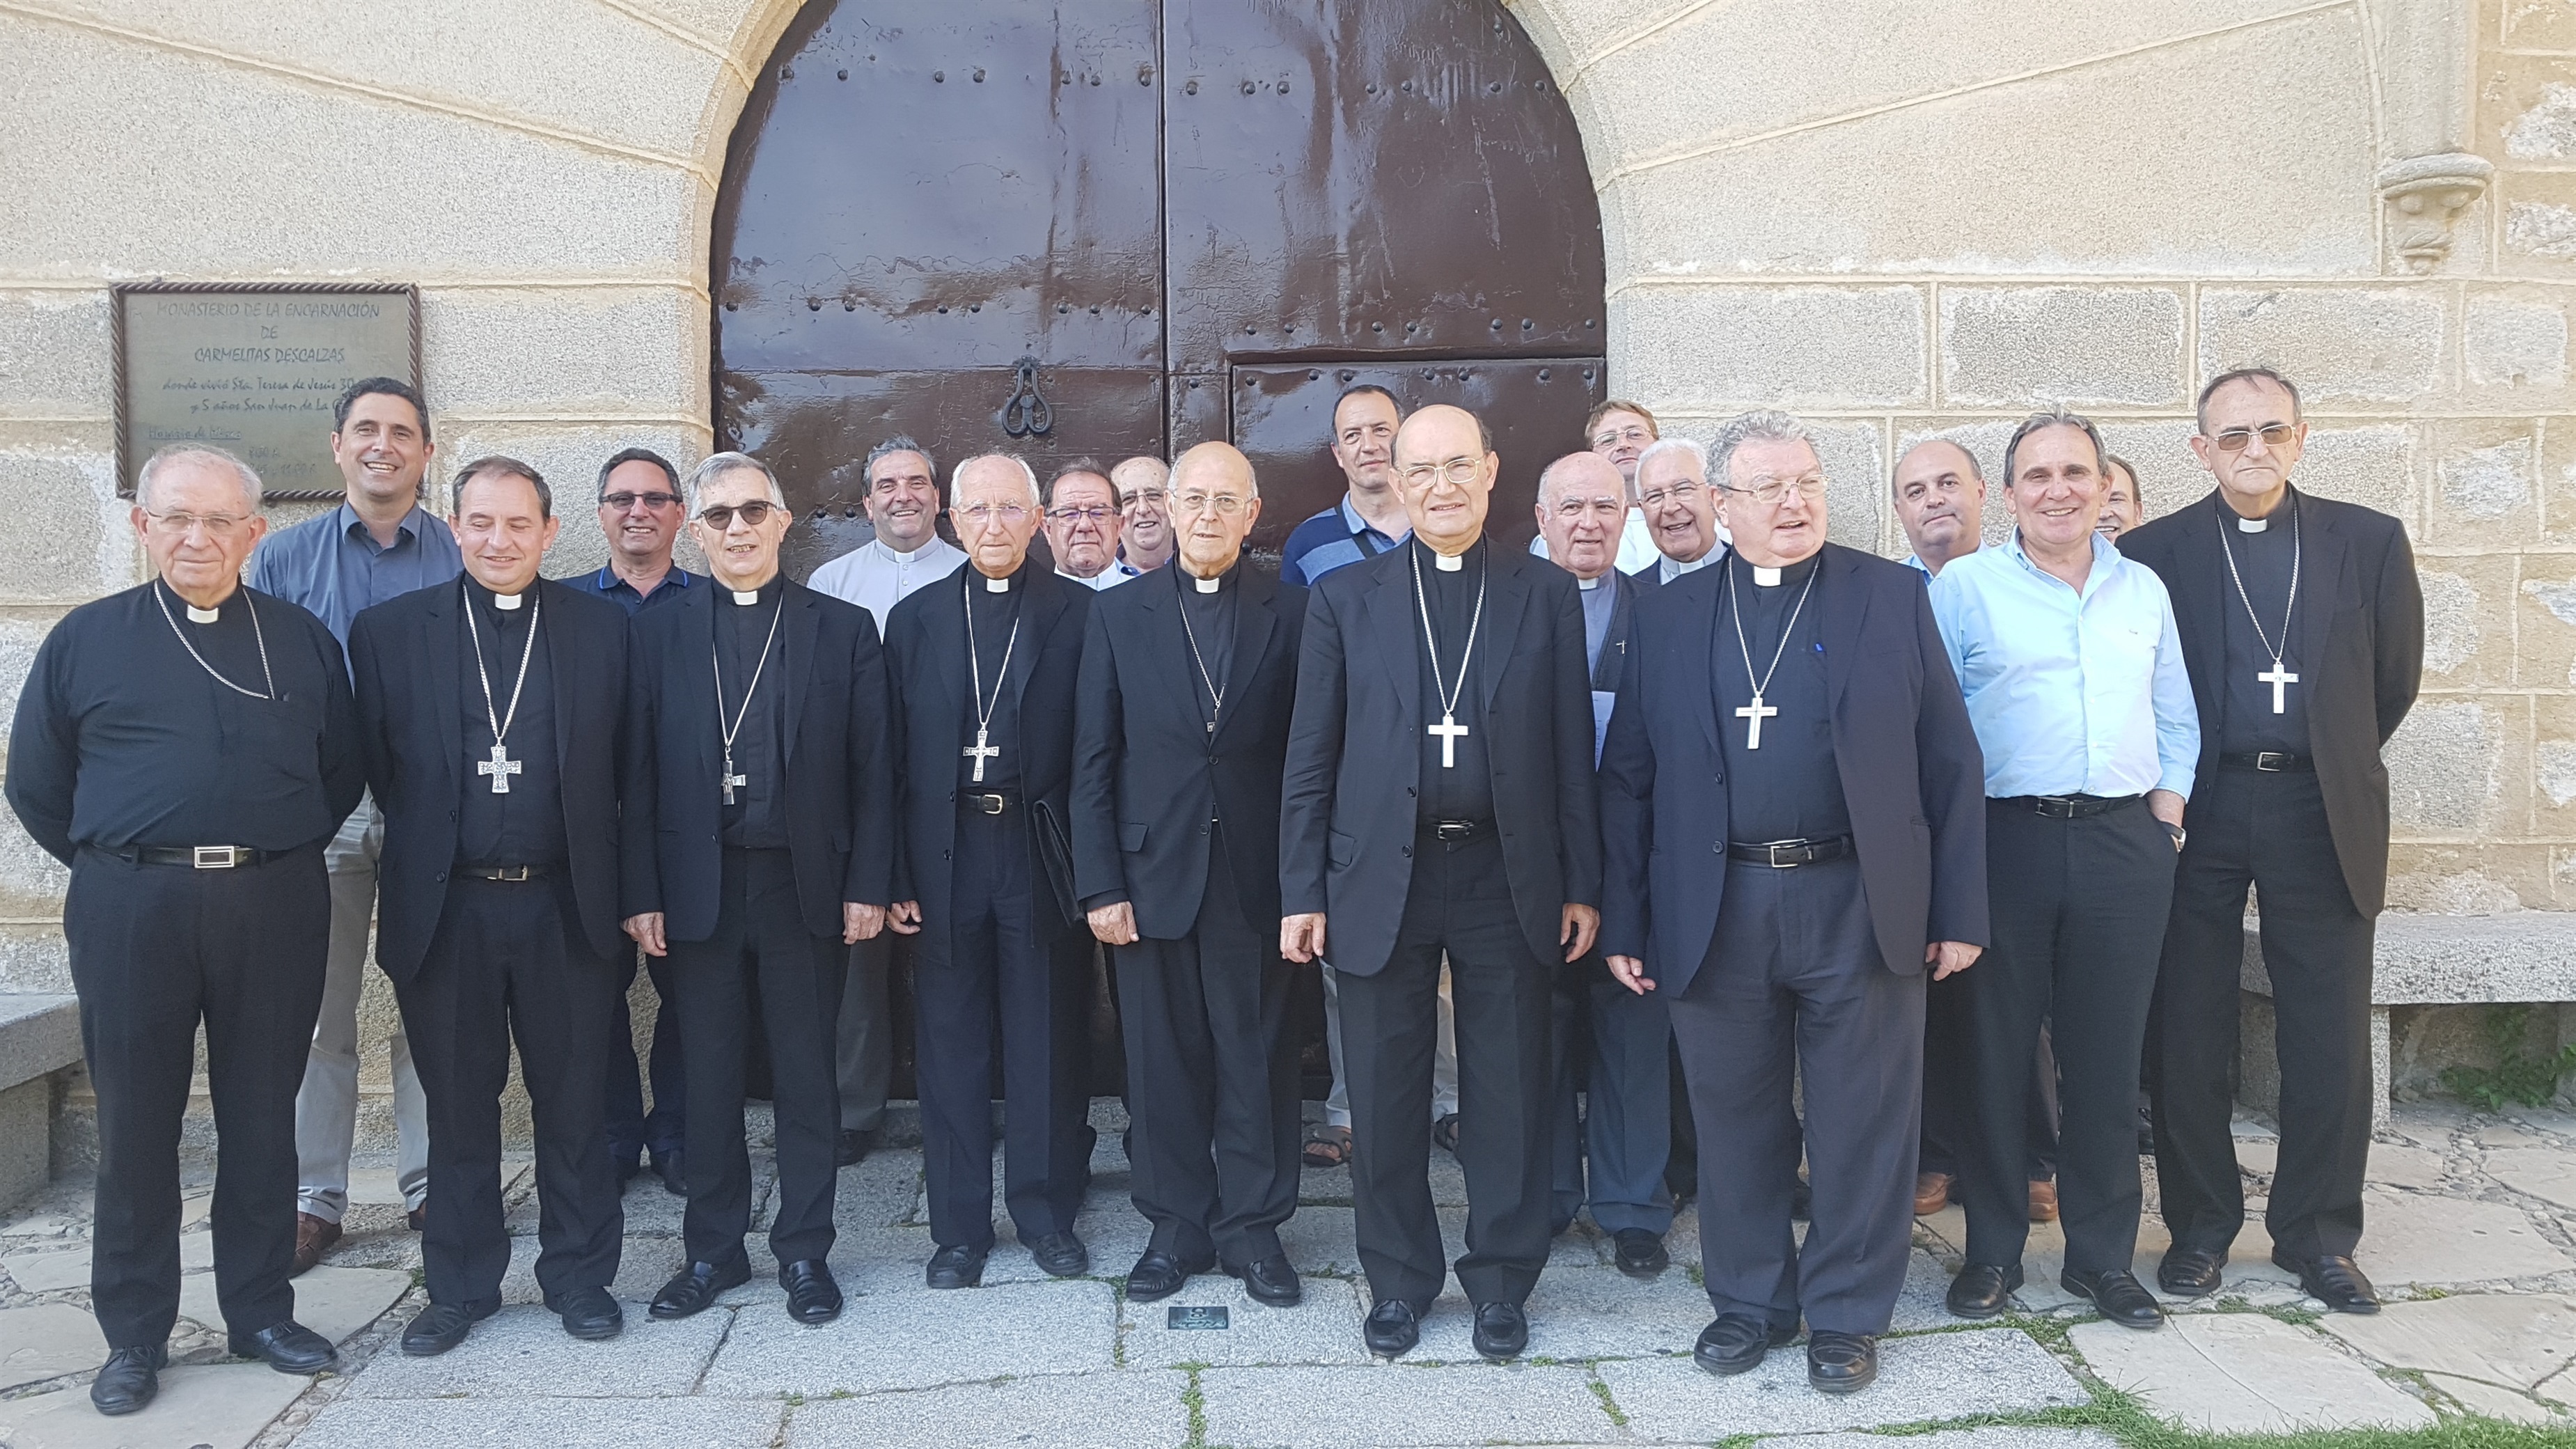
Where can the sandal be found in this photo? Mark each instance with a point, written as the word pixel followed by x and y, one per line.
pixel 1445 1133
pixel 1327 1146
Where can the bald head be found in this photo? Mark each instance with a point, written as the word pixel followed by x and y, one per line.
pixel 1444 471
pixel 1582 506
pixel 1215 502
pixel 1577 475
pixel 1940 501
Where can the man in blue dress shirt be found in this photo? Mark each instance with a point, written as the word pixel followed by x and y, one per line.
pixel 2076 684
pixel 378 544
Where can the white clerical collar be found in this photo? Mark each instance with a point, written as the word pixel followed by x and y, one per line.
pixel 1587 585
pixel 1449 563
pixel 508 603
pixel 1001 585
pixel 204 616
pixel 896 555
pixel 2252 525
pixel 1208 586
pixel 746 599
pixel 1674 568
pixel 1766 578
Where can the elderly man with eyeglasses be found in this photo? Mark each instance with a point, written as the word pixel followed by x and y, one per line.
pixel 1082 526
pixel 1618 432
pixel 1146 537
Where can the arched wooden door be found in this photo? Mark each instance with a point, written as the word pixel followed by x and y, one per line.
pixel 1110 227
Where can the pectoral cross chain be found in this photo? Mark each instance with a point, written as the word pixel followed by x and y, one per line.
pixel 1754 714
pixel 1448 730
pixel 500 767
pixel 979 752
pixel 2277 677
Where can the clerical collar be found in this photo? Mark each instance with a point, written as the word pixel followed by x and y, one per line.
pixel 1449 563
pixel 748 597
pixel 1674 568
pixel 2289 499
pixel 896 555
pixel 1771 578
pixel 507 603
pixel 1003 584
pixel 1587 585
pixel 204 616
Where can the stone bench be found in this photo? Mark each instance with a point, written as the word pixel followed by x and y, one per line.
pixel 2424 960
pixel 39 1036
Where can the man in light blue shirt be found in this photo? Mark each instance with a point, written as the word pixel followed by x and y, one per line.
pixel 2077 688
pixel 378 544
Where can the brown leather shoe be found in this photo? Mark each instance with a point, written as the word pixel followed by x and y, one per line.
pixel 313 1237
pixel 2043 1200
pixel 1931 1193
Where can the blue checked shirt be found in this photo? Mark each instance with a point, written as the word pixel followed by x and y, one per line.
pixel 332 566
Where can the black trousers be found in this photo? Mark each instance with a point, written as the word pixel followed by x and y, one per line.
pixel 1459 902
pixel 631 1131
pixel 508 961
pixel 1793 977
pixel 1012 973
pixel 1211 1080
pixel 1615 1047
pixel 2266 829
pixel 154 950
pixel 759 950
pixel 1949 1107
pixel 2079 917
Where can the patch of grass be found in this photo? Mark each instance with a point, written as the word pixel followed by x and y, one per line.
pixel 1194 1399
pixel 1609 1405
pixel 2516 1077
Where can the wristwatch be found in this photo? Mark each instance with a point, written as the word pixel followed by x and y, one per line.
pixel 2177 832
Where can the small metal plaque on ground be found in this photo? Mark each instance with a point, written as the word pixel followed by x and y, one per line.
pixel 1201 1317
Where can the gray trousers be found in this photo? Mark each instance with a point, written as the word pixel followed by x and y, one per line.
pixel 864 1038
pixel 326 1109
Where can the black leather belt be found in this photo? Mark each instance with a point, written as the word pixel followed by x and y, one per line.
pixel 1457 832
pixel 502 872
pixel 1782 854
pixel 2068 807
pixel 984 802
pixel 2269 761
pixel 203 857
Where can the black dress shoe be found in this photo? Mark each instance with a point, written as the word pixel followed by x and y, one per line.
pixel 956 1268
pixel 812 1296
pixel 1159 1275
pixel 1392 1329
pixel 289 1347
pixel 2190 1272
pixel 1271 1280
pixel 442 1326
pixel 1737 1342
pixel 2334 1281
pixel 695 1286
pixel 1983 1291
pixel 1502 1331
pixel 1061 1255
pixel 674 1167
pixel 129 1378
pixel 2118 1293
pixel 1641 1253
pixel 1841 1363
pixel 588 1313
pixel 853 1148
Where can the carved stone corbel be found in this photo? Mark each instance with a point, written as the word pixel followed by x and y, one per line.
pixel 2424 196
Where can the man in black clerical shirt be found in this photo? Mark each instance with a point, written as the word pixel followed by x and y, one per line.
pixel 483 704
pixel 1176 831
pixel 1794 825
pixel 983 666
pixel 2302 624
pixel 755 841
pixel 1439 798
pixel 187 747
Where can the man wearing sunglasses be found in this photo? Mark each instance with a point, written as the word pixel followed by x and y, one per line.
pixel 639 515
pixel 2303 627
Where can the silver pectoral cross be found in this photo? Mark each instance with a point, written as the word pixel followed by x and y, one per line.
pixel 500 767
pixel 1754 714
pixel 729 779
pixel 2278 678
pixel 979 752
pixel 1448 730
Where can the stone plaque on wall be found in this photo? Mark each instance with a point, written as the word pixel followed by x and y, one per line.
pixel 254 368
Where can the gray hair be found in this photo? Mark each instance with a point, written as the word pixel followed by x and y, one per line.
pixel 193 453
pixel 899 443
pixel 719 464
pixel 2057 417
pixel 1028 474
pixel 1668 447
pixel 1768 425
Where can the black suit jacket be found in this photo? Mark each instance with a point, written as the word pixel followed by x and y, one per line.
pixel 1346 823
pixel 407 655
pixel 839 804
pixel 926 661
pixel 2360 632
pixel 1147 776
pixel 1913 778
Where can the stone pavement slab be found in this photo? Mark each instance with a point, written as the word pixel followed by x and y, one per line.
pixel 1321 1240
pixel 1990 1437
pixel 2417 1238
pixel 2547 1173
pixel 1401 1404
pixel 2500 1338
pixel 46 1341
pixel 1921 1377
pixel 1324 1329
pixel 2243 1373
pixel 2396 1165
pixel 2496 1403
pixel 644 1264
pixel 523 1353
pixel 334 1302
pixel 217 1406
pixel 355 1423
pixel 1101 1411
pixel 49 1269
pixel 921 1339
pixel 1581 1313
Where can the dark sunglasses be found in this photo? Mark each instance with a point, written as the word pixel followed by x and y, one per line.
pixel 720 517
pixel 624 501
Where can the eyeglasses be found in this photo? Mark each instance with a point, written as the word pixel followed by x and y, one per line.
pixel 1772 491
pixel 1678 493
pixel 1629 434
pixel 721 516
pixel 2274 435
pixel 979 514
pixel 1151 497
pixel 1461 471
pixel 1575 510
pixel 216 525
pixel 1096 513
pixel 1189 505
pixel 621 502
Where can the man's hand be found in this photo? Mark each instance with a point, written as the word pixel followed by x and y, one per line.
pixel 860 923
pixel 2165 805
pixel 1301 938
pixel 1630 972
pixel 646 929
pixel 1949 958
pixel 1115 924
pixel 1576 926
pixel 905 917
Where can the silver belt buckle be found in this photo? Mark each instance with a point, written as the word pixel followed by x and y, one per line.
pixel 2057 807
pixel 1785 857
pixel 2272 760
pixel 988 803
pixel 511 873
pixel 214 857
